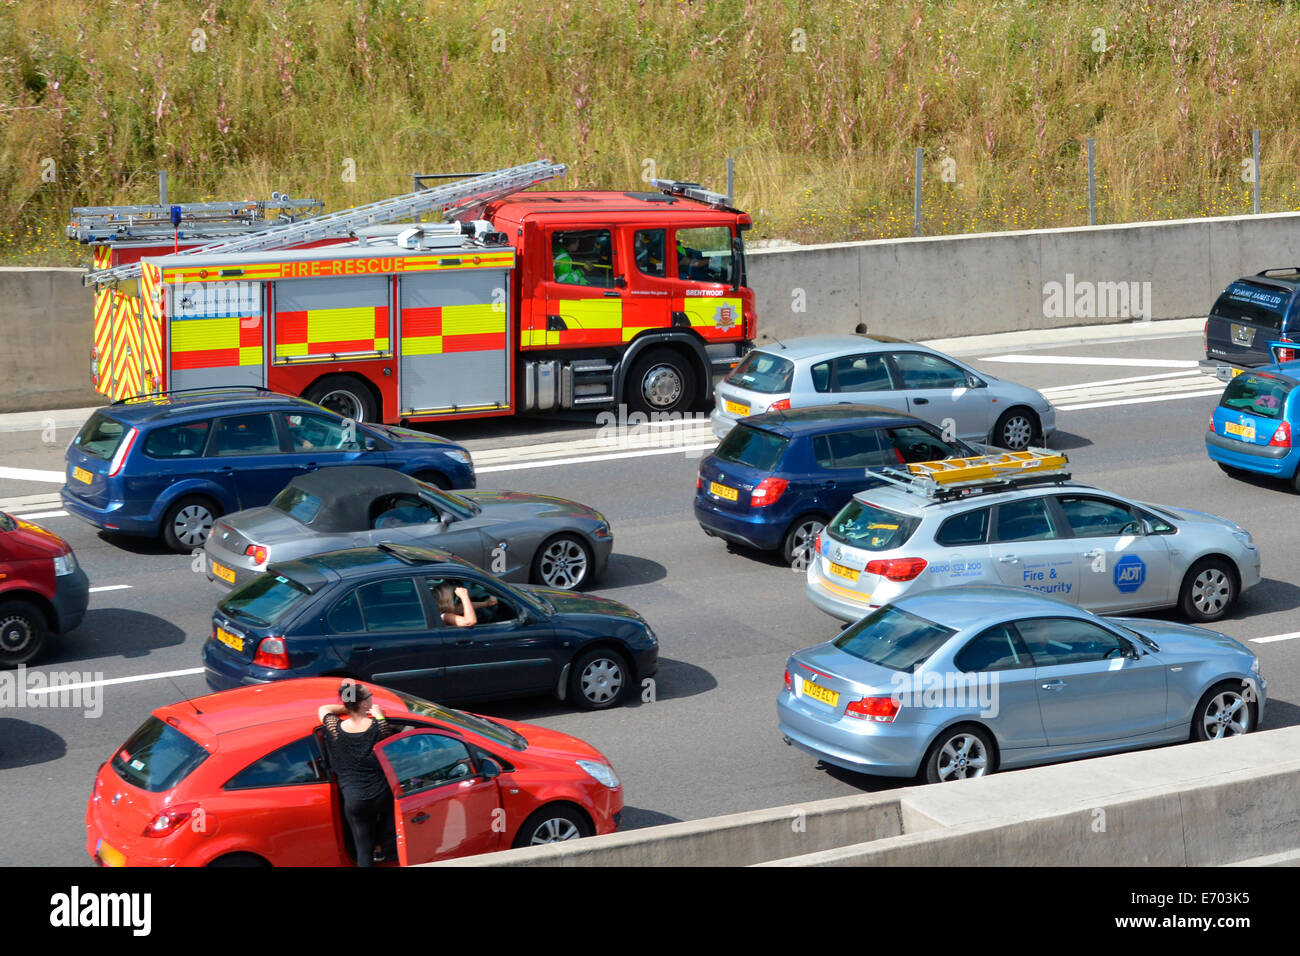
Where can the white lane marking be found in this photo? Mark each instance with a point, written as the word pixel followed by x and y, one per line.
pixel 1121 381
pixel 1276 637
pixel 1137 401
pixel 1085 360
pixel 43 514
pixel 61 688
pixel 110 587
pixel 32 474
pixel 679 449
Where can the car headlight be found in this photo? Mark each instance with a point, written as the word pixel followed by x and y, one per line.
pixel 1242 535
pixel 65 564
pixel 459 456
pixel 1254 667
pixel 602 773
pixel 602 530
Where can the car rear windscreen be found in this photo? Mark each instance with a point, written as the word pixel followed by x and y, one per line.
pixel 1252 304
pixel 264 600
pixel 894 639
pixel 157 757
pixel 752 447
pixel 100 436
pixel 297 504
pixel 763 372
pixel 862 525
pixel 1257 393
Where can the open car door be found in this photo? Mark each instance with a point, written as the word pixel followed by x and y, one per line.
pixel 448 804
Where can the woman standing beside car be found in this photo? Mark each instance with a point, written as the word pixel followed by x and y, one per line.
pixel 350 740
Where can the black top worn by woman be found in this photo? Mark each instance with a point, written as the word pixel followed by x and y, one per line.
pixel 353 758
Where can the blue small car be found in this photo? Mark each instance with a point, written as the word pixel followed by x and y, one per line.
pixel 777 478
pixel 1252 427
pixel 171 465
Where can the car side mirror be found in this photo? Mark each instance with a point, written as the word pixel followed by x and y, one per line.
pixel 974 381
pixel 1130 650
pixel 620 281
pixel 370 444
pixel 489 769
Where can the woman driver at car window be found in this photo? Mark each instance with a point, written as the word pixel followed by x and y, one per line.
pixel 352 728
pixel 451 599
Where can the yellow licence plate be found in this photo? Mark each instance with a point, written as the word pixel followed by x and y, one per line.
pixel 722 491
pixel 1241 431
pixel 110 856
pixel 82 475
pixel 736 408
pixel 223 572
pixel 823 694
pixel 230 640
pixel 841 571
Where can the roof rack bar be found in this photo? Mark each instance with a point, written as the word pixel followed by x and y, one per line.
pixel 150 396
pixel 946 479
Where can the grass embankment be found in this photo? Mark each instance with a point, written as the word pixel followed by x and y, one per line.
pixel 820 103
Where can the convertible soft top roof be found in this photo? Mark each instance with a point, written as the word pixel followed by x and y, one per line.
pixel 346 492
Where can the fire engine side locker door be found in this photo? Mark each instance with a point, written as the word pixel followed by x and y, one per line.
pixel 215 331
pixel 456 341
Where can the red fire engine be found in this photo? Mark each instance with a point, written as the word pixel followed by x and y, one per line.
pixel 518 302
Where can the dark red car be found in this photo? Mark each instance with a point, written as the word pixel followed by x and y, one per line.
pixel 239 778
pixel 42 589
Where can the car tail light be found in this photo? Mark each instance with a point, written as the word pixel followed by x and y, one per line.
pixel 1282 437
pixel 257 552
pixel 782 406
pixel 119 459
pixel 767 492
pixel 272 652
pixel 1211 423
pixel 699 481
pixel 788 685
pixel 897 569
pixel 1285 355
pixel 817 543
pixel 881 709
pixel 1205 337
pixel 170 820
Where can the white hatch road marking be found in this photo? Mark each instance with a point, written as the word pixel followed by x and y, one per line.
pixel 62 688
pixel 1136 401
pixel 43 514
pixel 1085 360
pixel 32 474
pixel 1185 376
pixel 676 450
pixel 111 587
pixel 1276 637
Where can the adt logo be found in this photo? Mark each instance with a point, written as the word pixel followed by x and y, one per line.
pixel 1130 573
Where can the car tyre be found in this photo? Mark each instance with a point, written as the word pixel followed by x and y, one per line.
pixel 1224 711
pixel 553 824
pixel 960 753
pixel 345 395
pixel 660 381
pixel 23 632
pixel 188 523
pixel 563 562
pixel 435 478
pixel 599 679
pixel 1017 429
pixel 1209 590
pixel 240 859
pixel 798 543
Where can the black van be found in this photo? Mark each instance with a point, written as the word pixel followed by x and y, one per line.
pixel 1252 313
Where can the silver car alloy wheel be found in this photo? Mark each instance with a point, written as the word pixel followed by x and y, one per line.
pixel 962 757
pixel 553 831
pixel 805 534
pixel 662 386
pixel 601 680
pixel 343 402
pixel 563 565
pixel 192 524
pixel 1017 433
pixel 1211 590
pixel 1226 715
pixel 16 633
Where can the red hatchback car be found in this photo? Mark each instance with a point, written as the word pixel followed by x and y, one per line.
pixel 42 589
pixel 240 778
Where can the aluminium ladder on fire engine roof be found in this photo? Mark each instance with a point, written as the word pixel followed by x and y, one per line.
pixel 199 220
pixel 339 224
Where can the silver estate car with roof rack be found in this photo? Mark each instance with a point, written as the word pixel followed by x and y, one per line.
pixel 888 373
pixel 1017 519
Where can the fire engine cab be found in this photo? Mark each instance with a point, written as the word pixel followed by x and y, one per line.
pixel 516 302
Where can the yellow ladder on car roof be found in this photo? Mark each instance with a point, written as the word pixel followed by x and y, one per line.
pixel 1038 461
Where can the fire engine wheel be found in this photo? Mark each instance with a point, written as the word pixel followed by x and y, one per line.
pixel 661 381
pixel 23 631
pixel 344 395
pixel 188 522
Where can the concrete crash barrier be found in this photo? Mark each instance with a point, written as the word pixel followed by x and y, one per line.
pixel 1204 804
pixel 47 325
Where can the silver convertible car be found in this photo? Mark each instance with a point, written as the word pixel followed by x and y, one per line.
pixel 518 537
pixel 889 373
pixel 961 682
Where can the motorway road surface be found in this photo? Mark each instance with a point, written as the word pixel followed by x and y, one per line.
pixel 1131 416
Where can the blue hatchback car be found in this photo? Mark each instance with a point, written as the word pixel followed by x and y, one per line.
pixel 777 478
pixel 171 465
pixel 1252 427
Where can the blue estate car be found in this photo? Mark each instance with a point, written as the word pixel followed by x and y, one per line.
pixel 171 465
pixel 777 478
pixel 1252 427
